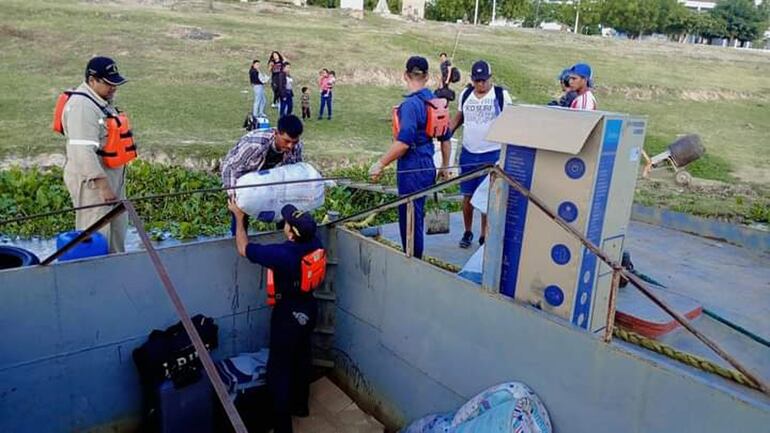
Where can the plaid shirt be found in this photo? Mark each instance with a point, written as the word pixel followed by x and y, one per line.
pixel 250 153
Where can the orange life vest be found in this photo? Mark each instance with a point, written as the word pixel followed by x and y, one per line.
pixel 119 149
pixel 313 269
pixel 437 124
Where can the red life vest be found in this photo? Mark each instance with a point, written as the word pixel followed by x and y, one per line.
pixel 437 124
pixel 313 269
pixel 119 149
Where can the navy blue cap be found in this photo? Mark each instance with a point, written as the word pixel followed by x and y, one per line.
pixel 581 70
pixel 301 223
pixel 106 69
pixel 481 71
pixel 417 65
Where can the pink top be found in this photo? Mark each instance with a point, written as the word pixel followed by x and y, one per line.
pixel 323 84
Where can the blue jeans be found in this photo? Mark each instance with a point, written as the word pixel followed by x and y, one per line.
pixel 411 182
pixel 326 100
pixel 287 104
pixel 258 110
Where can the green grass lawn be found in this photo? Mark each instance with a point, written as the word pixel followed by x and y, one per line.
pixel 188 98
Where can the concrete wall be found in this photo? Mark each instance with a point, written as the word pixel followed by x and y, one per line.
pixel 67 331
pixel 413 339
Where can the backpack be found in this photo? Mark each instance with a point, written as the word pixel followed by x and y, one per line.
pixel 169 354
pixel 499 98
pixel 446 93
pixel 250 123
pixel 454 76
pixel 437 115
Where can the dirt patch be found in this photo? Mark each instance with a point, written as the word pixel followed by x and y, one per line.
pixel 753 174
pixel 193 33
pixel 646 93
pixel 717 95
pixel 43 161
pixel 376 77
pixel 9 31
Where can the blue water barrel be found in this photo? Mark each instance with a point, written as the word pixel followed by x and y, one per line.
pixel 96 245
pixel 263 123
pixel 14 257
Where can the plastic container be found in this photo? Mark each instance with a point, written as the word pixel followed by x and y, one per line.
pixel 96 245
pixel 15 257
pixel 263 123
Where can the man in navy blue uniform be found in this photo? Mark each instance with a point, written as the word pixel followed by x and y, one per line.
pixel 412 148
pixel 294 314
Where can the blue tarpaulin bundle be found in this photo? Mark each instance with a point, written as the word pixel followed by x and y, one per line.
pixel 506 408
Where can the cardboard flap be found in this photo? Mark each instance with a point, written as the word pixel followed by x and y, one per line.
pixel 547 128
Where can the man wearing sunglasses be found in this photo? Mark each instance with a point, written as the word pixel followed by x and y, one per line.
pixel 479 106
pixel 581 82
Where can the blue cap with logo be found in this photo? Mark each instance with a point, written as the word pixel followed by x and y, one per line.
pixel 106 69
pixel 302 224
pixel 481 71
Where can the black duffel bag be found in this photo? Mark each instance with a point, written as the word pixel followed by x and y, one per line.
pixel 169 354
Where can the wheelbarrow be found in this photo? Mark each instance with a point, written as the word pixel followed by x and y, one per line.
pixel 680 153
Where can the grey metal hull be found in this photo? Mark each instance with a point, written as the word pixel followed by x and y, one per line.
pixel 410 339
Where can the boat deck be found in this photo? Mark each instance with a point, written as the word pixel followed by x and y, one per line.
pixel 332 411
pixel 731 281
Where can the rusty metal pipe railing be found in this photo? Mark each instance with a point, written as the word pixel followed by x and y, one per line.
pixel 101 222
pixel 208 364
pixel 483 171
pixel 203 353
pixel 168 195
pixel 633 279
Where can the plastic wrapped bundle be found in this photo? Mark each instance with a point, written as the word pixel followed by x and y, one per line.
pixel 265 203
pixel 480 198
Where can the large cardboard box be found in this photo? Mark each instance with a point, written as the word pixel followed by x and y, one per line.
pixel 584 166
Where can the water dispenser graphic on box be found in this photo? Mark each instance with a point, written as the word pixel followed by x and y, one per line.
pixel 584 166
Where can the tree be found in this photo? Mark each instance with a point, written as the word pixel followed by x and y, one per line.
pixel 676 21
pixel 590 15
pixel 710 27
pixel 453 10
pixel 542 12
pixel 634 17
pixel 742 18
pixel 514 9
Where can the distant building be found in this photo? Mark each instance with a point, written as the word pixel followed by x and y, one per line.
pixel 702 6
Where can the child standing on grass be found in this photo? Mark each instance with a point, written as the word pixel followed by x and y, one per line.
pixel 287 91
pixel 305 103
pixel 332 82
pixel 326 93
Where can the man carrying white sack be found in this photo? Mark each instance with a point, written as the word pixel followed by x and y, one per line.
pixel 262 150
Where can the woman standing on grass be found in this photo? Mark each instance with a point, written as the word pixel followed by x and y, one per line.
pixel 275 66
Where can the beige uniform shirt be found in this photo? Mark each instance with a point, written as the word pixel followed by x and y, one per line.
pixel 85 130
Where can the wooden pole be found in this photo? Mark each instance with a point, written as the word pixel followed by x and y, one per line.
pixel 610 325
pixel 410 228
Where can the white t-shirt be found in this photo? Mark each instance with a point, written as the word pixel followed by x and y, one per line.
pixel 586 101
pixel 478 115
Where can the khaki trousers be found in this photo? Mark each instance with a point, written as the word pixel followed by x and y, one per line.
pixel 84 192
